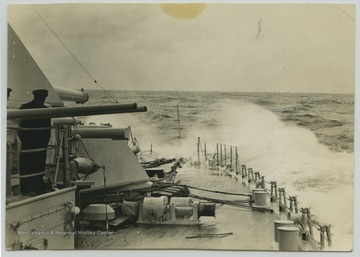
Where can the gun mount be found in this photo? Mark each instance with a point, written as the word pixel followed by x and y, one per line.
pixel 76 96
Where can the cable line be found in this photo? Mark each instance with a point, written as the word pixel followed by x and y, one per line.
pixel 82 66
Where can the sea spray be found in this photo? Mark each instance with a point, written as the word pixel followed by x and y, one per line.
pixel 267 139
pixel 292 155
pixel 322 179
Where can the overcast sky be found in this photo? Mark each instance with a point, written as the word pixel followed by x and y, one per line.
pixel 226 47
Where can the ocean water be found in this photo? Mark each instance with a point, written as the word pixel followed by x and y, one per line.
pixel 305 142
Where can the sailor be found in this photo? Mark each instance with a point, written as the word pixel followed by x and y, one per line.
pixel 36 135
pixel 9 90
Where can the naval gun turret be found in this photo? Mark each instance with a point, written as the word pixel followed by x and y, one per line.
pixel 75 161
pixel 59 128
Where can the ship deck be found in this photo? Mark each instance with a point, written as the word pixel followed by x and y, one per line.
pixel 233 228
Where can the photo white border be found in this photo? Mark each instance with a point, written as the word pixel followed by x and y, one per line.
pixel 175 253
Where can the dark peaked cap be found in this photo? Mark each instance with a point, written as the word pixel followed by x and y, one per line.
pixel 40 92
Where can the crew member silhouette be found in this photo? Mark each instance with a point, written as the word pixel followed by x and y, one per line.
pixel 9 90
pixel 35 134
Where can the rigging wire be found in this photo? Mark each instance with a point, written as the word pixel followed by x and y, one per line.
pixel 82 66
pixel 69 51
pixel 146 123
pixel 240 204
pixel 216 191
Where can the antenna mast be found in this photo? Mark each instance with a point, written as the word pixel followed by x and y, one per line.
pixel 178 118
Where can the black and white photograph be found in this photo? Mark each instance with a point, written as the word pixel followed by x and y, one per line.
pixel 179 126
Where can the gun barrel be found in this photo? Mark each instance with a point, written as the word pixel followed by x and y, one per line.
pixel 113 133
pixel 73 111
pixel 76 96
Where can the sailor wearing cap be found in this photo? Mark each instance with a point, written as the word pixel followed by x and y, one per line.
pixel 40 93
pixel 9 90
pixel 36 135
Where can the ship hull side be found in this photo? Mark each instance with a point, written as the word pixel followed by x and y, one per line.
pixel 41 222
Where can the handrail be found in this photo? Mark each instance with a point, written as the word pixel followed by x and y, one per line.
pixel 28 175
pixel 281 200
